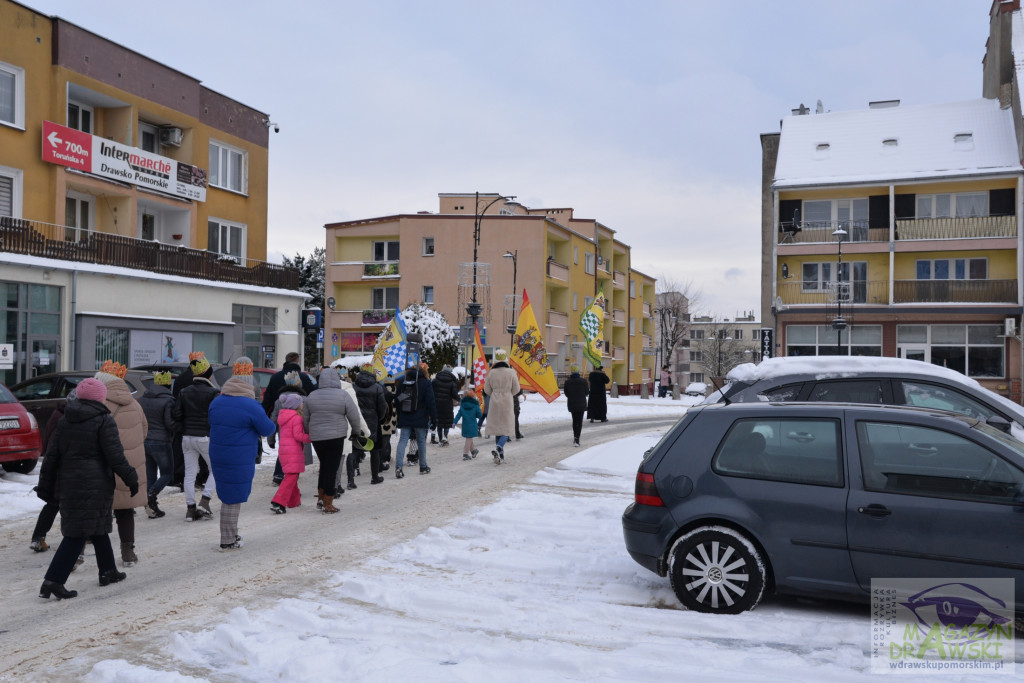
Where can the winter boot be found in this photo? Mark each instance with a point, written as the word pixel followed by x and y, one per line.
pixel 329 505
pixel 38 544
pixel 351 482
pixel 128 556
pixel 112 576
pixel 152 509
pixel 190 514
pixel 56 589
pixel 203 509
pixel 319 499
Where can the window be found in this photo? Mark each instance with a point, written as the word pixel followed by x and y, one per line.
pixel 575 255
pixel 696 334
pixel 789 392
pixel 952 269
pixel 632 326
pixel 428 246
pixel 696 376
pixel 10 191
pixel 974 350
pixel 914 460
pixel 385 251
pixel 632 289
pixel 575 301
pixel 149 137
pixel 588 263
pixel 829 214
pixel 962 204
pixel 848 391
pixel 822 340
pixel 737 334
pixel 147 226
pixel 12 95
pixel 696 356
pixel 428 294
pixel 802 451
pixel 228 167
pixel 77 216
pixel 226 238
pixel 927 395
pixel 632 362
pixel 80 116
pixel 384 298
pixel 587 300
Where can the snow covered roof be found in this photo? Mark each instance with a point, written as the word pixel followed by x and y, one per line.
pixel 823 367
pixel 897 143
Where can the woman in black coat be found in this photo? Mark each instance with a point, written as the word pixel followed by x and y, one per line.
pixel 78 471
pixel 446 395
pixel 597 407
pixel 576 390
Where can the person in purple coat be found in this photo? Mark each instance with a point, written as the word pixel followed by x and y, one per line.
pixel 237 421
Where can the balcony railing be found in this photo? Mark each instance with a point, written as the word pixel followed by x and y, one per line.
pixel 955 291
pixel 618 316
pixel 380 269
pixel 648 310
pixel 619 279
pixel 33 238
pixel 870 292
pixel 956 228
pixel 378 316
pixel 618 353
pixel 558 270
pixel 558 319
pixel 973 227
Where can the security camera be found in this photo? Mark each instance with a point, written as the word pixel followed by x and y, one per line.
pixel 277 128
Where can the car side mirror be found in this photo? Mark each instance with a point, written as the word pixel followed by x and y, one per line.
pixel 999 422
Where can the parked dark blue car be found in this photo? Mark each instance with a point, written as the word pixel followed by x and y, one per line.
pixel 819 499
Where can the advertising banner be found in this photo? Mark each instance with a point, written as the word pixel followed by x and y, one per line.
pixel 147 347
pixel 92 154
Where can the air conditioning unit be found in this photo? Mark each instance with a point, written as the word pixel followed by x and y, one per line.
pixel 171 136
pixel 1010 325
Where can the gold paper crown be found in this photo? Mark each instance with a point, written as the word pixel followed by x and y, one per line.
pixel 162 378
pixel 195 355
pixel 112 367
pixel 242 368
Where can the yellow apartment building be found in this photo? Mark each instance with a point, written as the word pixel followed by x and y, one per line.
pixel 377 265
pixel 133 208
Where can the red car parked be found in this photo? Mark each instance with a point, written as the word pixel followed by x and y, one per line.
pixel 20 438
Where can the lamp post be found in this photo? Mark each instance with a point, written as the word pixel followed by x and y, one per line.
pixel 514 255
pixel 473 308
pixel 839 323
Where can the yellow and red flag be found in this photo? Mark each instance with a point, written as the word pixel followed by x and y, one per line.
pixel 530 358
pixel 479 366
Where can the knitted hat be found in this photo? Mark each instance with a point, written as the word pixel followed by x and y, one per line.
pixel 91 389
pixel 200 366
pixel 293 380
pixel 291 400
pixel 574 368
pixel 114 368
pixel 500 355
pixel 243 370
pixel 162 378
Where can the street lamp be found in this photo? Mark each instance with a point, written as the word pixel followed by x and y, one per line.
pixel 839 323
pixel 477 219
pixel 514 255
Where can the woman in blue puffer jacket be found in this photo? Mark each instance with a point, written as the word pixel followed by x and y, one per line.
pixel 237 421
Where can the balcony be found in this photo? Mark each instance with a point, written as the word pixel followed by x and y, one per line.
pixel 955 291
pixel 619 279
pixel 618 316
pixel 973 227
pixel 956 228
pixel 648 310
pixel 378 316
pixel 558 319
pixel 380 269
pixel 618 353
pixel 33 238
pixel 557 270
pixel 648 342
pixel 870 292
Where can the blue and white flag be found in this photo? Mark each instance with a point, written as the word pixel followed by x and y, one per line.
pixel 389 354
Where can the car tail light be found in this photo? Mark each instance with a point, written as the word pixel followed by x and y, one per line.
pixel 646 492
pixel 32 423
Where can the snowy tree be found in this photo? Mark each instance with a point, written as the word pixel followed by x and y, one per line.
pixel 440 346
pixel 311 281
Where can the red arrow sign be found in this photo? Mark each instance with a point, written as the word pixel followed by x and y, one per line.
pixel 67 146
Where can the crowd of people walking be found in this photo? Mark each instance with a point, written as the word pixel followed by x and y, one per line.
pixel 106 454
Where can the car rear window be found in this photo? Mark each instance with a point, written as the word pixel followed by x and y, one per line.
pixel 6 396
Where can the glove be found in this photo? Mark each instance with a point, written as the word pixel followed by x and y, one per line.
pixel 133 488
pixel 42 495
pixel 272 441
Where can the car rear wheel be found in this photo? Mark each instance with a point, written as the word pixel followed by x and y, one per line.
pixel 20 466
pixel 717 570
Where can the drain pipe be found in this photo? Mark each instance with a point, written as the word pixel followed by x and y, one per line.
pixel 74 301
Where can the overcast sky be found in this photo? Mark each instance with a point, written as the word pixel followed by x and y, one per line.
pixel 643 115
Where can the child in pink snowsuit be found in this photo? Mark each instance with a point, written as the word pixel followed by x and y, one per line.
pixel 289 452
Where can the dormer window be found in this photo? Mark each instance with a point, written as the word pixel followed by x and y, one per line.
pixel 890 142
pixel 822 147
pixel 963 141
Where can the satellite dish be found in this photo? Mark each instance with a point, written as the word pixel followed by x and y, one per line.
pixel 820 109
pixel 330 302
pixel 778 302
